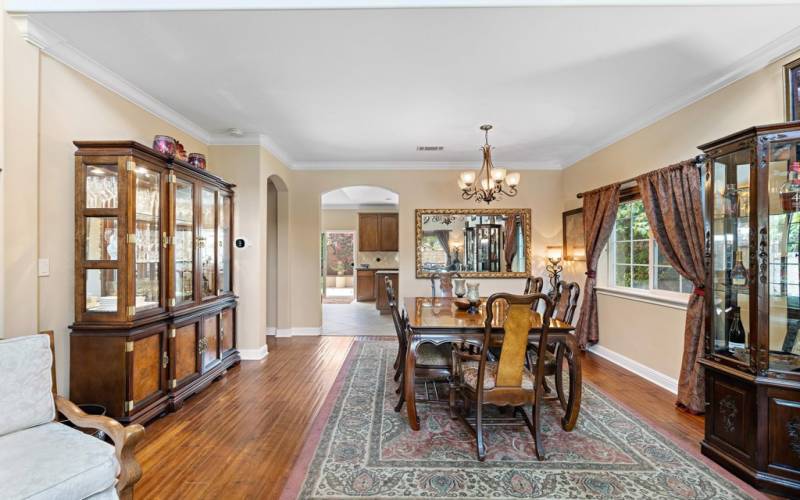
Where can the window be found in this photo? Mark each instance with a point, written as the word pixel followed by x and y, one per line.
pixel 635 261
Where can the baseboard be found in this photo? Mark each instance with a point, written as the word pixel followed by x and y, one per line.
pixel 254 354
pixel 308 331
pixel 271 330
pixel 633 366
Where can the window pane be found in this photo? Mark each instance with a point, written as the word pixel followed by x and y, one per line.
pixel 641 252
pixel 661 259
pixel 641 229
pixel 641 277
pixel 623 253
pixel 686 286
pixel 101 238
pixel 623 229
pixel 667 278
pixel 623 276
pixel 101 290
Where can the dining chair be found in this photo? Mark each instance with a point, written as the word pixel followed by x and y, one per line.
pixel 445 283
pixel 534 284
pixel 506 382
pixel 433 362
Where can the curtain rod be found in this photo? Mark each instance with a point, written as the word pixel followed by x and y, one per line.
pixel 698 160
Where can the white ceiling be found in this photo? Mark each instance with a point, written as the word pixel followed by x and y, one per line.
pixel 359 197
pixel 362 88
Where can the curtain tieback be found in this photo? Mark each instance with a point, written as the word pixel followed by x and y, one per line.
pixel 591 274
pixel 699 291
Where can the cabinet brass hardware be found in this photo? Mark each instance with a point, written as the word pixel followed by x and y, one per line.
pixel 173 383
pixel 129 346
pixel 164 359
pixel 164 240
pixel 201 242
pixel 171 302
pixel 131 238
pixel 131 310
pixel 130 165
pixel 171 178
pixel 127 405
pixel 172 333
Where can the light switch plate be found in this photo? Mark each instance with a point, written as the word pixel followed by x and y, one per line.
pixel 44 267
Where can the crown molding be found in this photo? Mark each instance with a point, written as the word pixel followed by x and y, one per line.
pixel 57 48
pixel 418 165
pixel 253 140
pixel 189 5
pixel 359 206
pixel 746 66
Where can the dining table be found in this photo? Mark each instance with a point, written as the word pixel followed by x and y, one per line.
pixel 438 320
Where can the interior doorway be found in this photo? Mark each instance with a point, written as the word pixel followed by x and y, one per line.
pixel 277 283
pixel 337 270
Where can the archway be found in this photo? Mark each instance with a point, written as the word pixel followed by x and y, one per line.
pixel 277 307
pixel 349 274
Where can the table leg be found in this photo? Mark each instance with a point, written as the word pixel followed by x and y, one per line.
pixel 408 382
pixel 575 384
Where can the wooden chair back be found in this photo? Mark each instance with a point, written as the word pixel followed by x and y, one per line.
pixel 534 284
pixel 517 324
pixel 566 301
pixel 398 319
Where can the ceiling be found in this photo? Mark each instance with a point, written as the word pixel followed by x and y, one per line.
pixel 363 88
pixel 353 197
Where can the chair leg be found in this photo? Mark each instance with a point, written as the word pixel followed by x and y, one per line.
pixel 479 432
pixel 546 387
pixel 560 376
pixel 452 400
pixel 533 427
pixel 402 399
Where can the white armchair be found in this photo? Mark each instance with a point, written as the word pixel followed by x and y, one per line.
pixel 43 459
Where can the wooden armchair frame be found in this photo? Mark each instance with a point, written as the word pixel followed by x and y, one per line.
pixel 125 438
pixel 508 389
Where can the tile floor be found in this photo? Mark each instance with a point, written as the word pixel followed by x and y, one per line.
pixel 357 318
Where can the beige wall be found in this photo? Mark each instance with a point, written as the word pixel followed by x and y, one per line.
pixel 339 220
pixel 52 105
pixel 540 191
pixel 652 334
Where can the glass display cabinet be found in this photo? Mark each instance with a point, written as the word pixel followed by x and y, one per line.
pixel 154 301
pixel 752 349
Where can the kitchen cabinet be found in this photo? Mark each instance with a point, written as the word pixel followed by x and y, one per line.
pixel 365 285
pixel 378 232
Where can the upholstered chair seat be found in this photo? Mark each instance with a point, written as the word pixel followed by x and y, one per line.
pixel 434 355
pixel 470 376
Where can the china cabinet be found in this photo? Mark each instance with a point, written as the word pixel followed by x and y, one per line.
pixel 154 304
pixel 752 291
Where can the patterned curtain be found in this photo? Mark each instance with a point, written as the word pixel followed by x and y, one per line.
pixel 599 213
pixel 673 204
pixel 510 248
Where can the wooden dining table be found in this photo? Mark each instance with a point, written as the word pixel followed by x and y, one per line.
pixel 437 320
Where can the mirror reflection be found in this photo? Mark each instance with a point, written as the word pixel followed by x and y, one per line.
pixel 489 242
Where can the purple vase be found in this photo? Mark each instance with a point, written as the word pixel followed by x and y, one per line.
pixel 165 145
pixel 197 160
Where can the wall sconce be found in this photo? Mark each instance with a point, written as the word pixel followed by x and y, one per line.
pixel 554 268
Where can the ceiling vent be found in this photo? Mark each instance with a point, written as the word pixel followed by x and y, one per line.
pixel 430 148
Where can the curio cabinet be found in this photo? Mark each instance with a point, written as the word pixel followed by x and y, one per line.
pixel 155 312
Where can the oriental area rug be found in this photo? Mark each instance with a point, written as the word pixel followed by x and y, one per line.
pixel 364 449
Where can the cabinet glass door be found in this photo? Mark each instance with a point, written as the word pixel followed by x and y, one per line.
pixel 783 251
pixel 101 237
pixel 731 277
pixel 224 243
pixel 149 238
pixel 208 264
pixel 183 241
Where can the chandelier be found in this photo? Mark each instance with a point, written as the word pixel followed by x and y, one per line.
pixel 490 182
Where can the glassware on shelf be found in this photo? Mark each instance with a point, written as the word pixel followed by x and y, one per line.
pixel 184 241
pixel 101 290
pixel 731 200
pixel 206 243
pixel 739 272
pixel 101 238
pixel 149 238
pixel 790 191
pixel 101 186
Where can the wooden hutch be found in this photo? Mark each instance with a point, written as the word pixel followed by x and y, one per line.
pixel 752 346
pixel 155 312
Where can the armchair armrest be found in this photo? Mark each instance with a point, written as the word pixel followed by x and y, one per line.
pixel 124 438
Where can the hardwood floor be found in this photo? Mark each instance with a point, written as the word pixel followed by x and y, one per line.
pixel 241 442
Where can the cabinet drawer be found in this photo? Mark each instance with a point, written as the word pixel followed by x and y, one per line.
pixel 210 344
pixel 730 417
pixel 227 330
pixel 184 353
pixel 148 367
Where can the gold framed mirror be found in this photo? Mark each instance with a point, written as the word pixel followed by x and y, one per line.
pixel 476 243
